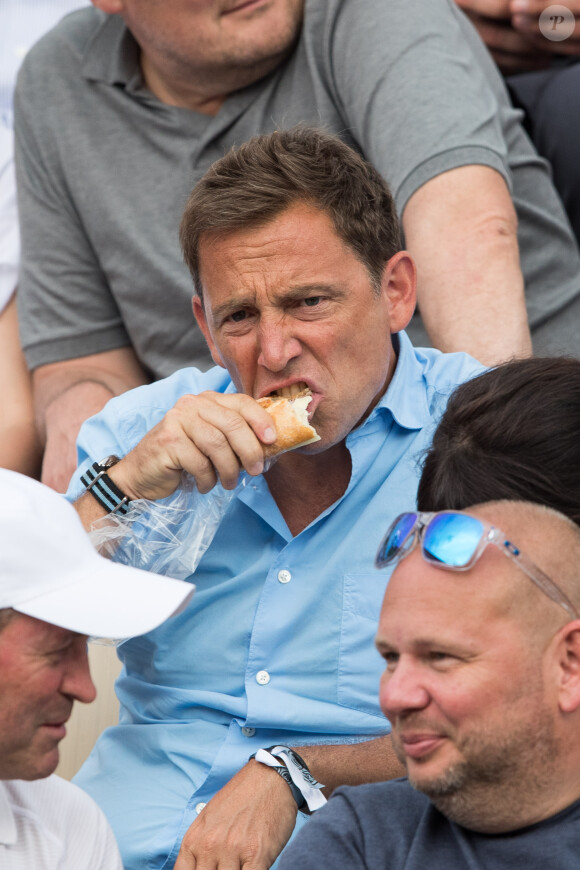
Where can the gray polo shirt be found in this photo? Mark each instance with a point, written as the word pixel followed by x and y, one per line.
pixel 105 169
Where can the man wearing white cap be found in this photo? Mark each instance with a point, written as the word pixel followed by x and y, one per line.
pixel 54 591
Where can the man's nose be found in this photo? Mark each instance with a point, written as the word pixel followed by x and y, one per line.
pixel 402 690
pixel 77 682
pixel 277 343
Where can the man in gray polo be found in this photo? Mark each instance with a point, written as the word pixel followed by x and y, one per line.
pixel 122 108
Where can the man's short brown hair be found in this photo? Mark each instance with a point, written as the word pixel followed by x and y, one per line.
pixel 255 182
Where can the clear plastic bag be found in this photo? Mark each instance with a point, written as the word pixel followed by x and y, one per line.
pixel 168 536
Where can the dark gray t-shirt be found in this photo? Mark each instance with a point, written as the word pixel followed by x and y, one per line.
pixel 389 826
pixel 105 169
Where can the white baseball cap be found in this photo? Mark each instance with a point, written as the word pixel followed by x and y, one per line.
pixel 50 570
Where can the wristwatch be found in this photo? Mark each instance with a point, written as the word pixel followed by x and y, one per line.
pixel 103 489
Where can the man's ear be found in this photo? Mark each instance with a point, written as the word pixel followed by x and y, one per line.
pixel 111 7
pixel 199 314
pixel 567 652
pixel 399 284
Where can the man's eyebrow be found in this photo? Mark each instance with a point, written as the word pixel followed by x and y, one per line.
pixel 383 646
pixel 298 291
pixel 422 645
pixel 229 306
pixel 290 294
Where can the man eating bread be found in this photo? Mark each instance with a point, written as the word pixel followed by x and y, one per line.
pixel 262 695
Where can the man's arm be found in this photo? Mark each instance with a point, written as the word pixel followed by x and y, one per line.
pixel 67 393
pixel 211 436
pixel 250 820
pixel 19 442
pixel 461 229
pixel 525 16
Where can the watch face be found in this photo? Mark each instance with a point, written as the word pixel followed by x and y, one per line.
pixel 108 461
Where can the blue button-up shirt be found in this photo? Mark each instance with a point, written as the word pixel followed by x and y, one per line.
pixel 276 645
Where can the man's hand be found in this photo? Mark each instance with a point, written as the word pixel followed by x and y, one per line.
pixel 210 435
pixel 67 393
pixel 525 16
pixel 245 825
pixel 250 820
pixel 513 51
pixel 511 31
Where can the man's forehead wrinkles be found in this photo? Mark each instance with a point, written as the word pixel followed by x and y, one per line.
pixel 255 248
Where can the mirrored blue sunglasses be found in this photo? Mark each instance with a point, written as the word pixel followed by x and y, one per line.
pixel 455 541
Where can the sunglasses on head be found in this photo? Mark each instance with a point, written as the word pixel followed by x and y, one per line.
pixel 455 541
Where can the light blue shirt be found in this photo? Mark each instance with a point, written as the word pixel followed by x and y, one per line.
pixel 276 645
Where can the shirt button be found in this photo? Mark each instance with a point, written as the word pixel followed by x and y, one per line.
pixel 248 732
pixel 284 576
pixel 263 678
pixel 199 807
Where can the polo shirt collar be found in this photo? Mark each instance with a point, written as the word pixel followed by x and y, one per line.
pixel 112 55
pixel 406 396
pixel 7 821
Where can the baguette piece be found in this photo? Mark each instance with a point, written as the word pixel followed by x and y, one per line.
pixel 291 422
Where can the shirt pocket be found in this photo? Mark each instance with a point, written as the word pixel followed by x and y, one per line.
pixel 359 664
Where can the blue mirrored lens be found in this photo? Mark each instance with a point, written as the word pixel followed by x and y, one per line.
pixel 395 539
pixel 452 539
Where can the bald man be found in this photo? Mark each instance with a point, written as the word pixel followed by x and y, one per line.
pixel 482 689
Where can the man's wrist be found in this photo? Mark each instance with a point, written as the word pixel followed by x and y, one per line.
pixel 104 490
pixel 282 772
pixel 294 770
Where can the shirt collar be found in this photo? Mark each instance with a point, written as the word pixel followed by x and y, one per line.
pixel 7 822
pixel 112 55
pixel 406 396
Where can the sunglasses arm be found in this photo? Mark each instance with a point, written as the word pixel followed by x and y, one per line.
pixel 535 574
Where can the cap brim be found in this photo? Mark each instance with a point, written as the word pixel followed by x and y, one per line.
pixel 112 601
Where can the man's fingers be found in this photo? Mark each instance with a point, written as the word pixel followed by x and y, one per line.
pixel 536 7
pixel 486 8
pixel 512 51
pixel 502 37
pixel 228 435
pixel 210 436
pixel 185 860
pixel 253 413
pixel 529 25
pixel 201 467
pixel 525 19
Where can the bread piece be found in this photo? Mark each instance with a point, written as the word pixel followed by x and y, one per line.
pixel 291 422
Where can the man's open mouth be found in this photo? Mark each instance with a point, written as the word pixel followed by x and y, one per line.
pixel 291 391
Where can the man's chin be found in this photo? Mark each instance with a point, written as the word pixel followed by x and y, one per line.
pixel 439 786
pixel 39 767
